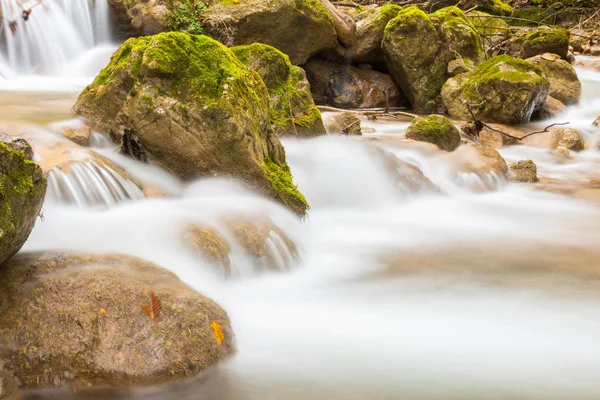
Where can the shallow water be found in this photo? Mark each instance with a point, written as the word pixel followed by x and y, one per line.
pixel 483 289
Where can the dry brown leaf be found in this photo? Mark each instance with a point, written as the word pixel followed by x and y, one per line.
pixel 103 312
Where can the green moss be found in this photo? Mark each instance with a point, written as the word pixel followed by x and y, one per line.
pixel 435 129
pixel 282 183
pixel 186 17
pixel 493 69
pixel 288 105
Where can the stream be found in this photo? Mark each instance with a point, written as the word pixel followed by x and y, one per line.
pixel 483 289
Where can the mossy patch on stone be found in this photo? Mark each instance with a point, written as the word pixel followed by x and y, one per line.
pixel 503 89
pixel 291 107
pixel 541 40
pixel 435 129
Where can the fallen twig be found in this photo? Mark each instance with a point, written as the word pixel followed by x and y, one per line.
pixel 372 113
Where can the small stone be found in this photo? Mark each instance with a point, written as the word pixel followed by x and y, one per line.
pixel 344 123
pixel 568 138
pixel 562 152
pixel 435 129
pixel 596 121
pixel 523 171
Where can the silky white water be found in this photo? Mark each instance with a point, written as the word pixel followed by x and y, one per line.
pixel 483 289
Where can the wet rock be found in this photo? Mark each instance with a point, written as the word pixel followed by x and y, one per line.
pixel 8 387
pixel 292 110
pixel 76 131
pixel 79 318
pixel 568 138
pixel 344 123
pixel 505 89
pixel 299 28
pixel 370 25
pixel 407 176
pixel 594 50
pixel 461 66
pixel 267 245
pixel 195 109
pixel 346 86
pixel 22 190
pixel 596 121
pixel 523 171
pixel 562 152
pixel 482 160
pixel 564 83
pixel 550 109
pixel 577 39
pixel 496 140
pixel 495 7
pixel 435 129
pixel 418 48
pixel 211 245
pixel 141 17
pixel 538 41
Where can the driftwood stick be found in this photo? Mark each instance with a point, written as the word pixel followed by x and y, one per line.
pixel 368 113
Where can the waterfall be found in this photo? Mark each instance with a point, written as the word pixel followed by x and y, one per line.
pixel 89 184
pixel 55 35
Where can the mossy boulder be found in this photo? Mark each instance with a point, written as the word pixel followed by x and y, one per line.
pixel 299 28
pixel 495 7
pixel 502 89
pixel 435 129
pixel 524 171
pixel 347 86
pixel 418 48
pixel 564 83
pixel 195 109
pixel 292 110
pixel 79 318
pixel 531 43
pixel 22 190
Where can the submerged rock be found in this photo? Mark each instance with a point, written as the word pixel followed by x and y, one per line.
pixel 195 109
pixel 292 110
pixel 564 83
pixel 418 48
pixel 211 245
pixel 345 123
pixel 79 318
pixel 347 86
pixel 22 190
pixel 539 41
pixel 75 130
pixel 523 171
pixel 299 28
pixel 482 160
pixel 558 138
pixel 504 89
pixel 435 129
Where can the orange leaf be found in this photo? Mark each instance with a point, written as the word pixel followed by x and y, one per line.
pixel 217 332
pixel 156 306
pixel 100 88
pixel 146 309
pixel 103 312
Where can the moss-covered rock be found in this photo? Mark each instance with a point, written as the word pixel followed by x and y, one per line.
pixel 79 318
pixel 524 171
pixel 495 7
pixel 564 83
pixel 292 110
pixel 418 48
pixel 531 43
pixel 196 110
pixel 435 129
pixel 299 28
pixel 211 245
pixel 346 86
pixel 502 89
pixel 22 189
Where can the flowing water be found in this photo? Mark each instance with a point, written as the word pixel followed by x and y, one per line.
pixel 450 285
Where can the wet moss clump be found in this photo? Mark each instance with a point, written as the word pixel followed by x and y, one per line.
pixel 291 107
pixel 435 129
